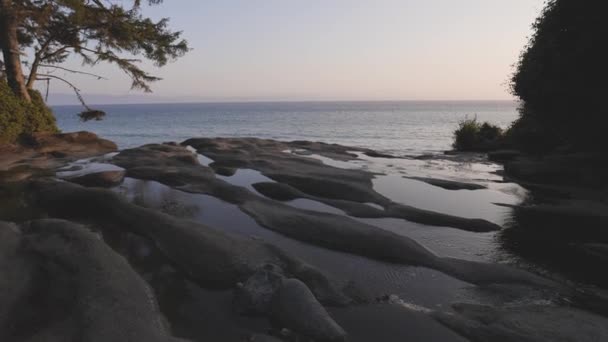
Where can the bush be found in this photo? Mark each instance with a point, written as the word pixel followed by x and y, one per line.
pixel 471 135
pixel 20 118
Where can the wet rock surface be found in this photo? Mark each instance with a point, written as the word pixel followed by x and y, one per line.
pixel 73 287
pixel 166 164
pixel 104 179
pixel 296 308
pixel 160 273
pixel 343 188
pixel 524 323
pixel 48 151
pixel 449 184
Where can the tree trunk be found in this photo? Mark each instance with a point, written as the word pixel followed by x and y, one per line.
pixel 10 49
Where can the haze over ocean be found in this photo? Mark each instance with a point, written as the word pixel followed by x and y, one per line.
pixel 401 127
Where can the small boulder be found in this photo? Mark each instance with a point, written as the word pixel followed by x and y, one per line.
pixel 255 295
pixel 103 179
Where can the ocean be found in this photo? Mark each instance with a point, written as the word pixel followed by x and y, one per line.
pixel 404 127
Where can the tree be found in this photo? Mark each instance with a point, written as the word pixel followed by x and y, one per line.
pixel 562 75
pixel 48 32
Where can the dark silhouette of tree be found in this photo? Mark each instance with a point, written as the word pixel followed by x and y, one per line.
pixel 562 76
pixel 97 31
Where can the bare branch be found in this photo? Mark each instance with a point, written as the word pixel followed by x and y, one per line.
pixel 88 114
pixel 76 90
pixel 73 71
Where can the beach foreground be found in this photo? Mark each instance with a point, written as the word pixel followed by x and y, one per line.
pixel 245 239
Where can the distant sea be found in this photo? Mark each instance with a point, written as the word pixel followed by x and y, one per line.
pixel 405 127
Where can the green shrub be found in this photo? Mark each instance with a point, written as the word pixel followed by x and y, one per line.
pixel 471 135
pixel 19 118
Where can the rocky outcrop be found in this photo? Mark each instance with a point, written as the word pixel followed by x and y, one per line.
pixel 48 151
pixel 580 169
pixel 295 307
pixel 285 192
pixel 103 179
pixel 213 258
pixel 502 156
pixel 74 288
pixel 288 302
pixel 343 188
pixel 161 163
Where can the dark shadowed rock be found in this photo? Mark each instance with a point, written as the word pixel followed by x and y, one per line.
pixel 284 192
pixel 502 156
pixel 315 180
pixel 80 289
pixel 449 184
pixel 375 154
pixel 254 296
pixel 524 323
pixel 391 323
pixel 104 179
pixel 581 169
pixel 213 258
pixel 337 232
pixel 594 250
pixel 17 275
pixel 262 338
pixel 296 308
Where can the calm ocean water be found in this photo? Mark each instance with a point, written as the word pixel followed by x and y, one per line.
pixel 398 127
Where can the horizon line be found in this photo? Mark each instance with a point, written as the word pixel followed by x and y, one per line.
pixel 281 101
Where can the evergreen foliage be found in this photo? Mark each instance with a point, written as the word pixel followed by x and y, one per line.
pixel 47 32
pixel 19 117
pixel 471 135
pixel 561 77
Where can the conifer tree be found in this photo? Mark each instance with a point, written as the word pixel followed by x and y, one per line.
pixel 39 35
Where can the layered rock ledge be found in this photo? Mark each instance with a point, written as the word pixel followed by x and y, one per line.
pixel 81 262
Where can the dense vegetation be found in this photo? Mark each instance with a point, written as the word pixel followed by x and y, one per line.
pixel 19 117
pixel 561 80
pixel 561 76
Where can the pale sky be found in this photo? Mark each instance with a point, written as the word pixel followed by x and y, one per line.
pixel 274 50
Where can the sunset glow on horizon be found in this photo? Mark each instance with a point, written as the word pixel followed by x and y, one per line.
pixel 333 50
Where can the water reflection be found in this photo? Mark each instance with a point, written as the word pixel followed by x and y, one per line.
pixel 464 203
pixel 557 241
pixel 246 178
pixel 373 278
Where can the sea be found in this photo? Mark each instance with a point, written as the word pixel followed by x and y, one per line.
pixel 402 127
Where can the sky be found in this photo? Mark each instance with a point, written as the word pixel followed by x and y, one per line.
pixel 324 50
